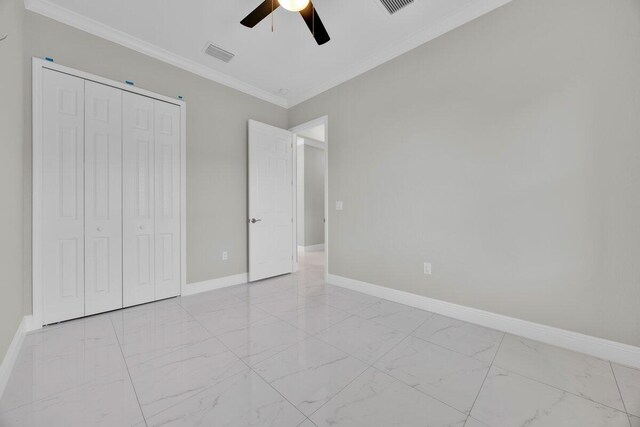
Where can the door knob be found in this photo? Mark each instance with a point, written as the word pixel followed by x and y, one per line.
pixel 253 220
pixel 141 227
pixel 99 228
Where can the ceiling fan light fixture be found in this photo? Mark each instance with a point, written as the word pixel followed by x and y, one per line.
pixel 294 5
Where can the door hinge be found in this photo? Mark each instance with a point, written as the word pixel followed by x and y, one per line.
pixel 291 219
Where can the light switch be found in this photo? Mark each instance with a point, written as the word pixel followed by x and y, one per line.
pixel 427 268
pixel 339 205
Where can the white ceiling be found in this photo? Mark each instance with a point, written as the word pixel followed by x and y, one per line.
pixel 363 35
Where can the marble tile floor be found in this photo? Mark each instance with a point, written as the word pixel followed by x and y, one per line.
pixel 294 351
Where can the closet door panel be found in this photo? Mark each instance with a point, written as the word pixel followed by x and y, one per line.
pixel 138 199
pixel 103 198
pixel 62 197
pixel 167 198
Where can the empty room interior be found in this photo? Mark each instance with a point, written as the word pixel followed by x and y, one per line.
pixel 320 213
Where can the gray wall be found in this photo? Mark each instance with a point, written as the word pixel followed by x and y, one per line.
pixel 507 154
pixel 11 140
pixel 314 168
pixel 216 139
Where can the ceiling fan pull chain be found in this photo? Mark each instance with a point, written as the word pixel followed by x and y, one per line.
pixel 305 8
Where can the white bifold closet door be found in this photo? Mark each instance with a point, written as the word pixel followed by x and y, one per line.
pixel 138 181
pixel 151 199
pixel 103 198
pixel 62 196
pixel 110 198
pixel 167 199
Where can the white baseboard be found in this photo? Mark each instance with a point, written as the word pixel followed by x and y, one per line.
pixel 312 248
pixel 30 325
pixel 213 284
pixel 610 350
pixel 12 353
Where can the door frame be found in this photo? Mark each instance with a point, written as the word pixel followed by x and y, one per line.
pixel 38 67
pixel 324 120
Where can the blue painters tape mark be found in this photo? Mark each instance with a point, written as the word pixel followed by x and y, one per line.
pixel 129 82
pixel 49 59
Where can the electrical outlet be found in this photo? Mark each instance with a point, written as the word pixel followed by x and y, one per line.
pixel 427 268
pixel 225 255
pixel 339 205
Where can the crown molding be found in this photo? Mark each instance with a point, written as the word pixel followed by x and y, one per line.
pixel 81 22
pixel 461 17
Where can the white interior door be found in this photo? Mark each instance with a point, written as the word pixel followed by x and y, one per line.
pixel 103 198
pixel 167 199
pixel 62 196
pixel 270 201
pixel 138 202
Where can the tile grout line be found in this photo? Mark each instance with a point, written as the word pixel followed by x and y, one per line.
pixel 417 389
pixel 456 351
pixel 307 335
pixel 624 405
pixel 315 336
pixel 345 352
pixel 250 369
pixel 490 366
pixel 527 377
pixel 67 389
pixel 377 322
pixel 338 392
pixel 192 318
pixel 182 347
pixel 485 377
pixel 198 393
pixel 370 366
pixel 408 334
pixel 511 371
pixel 124 359
pixel 301 307
pixel 409 385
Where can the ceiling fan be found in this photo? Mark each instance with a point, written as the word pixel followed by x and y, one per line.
pixel 304 7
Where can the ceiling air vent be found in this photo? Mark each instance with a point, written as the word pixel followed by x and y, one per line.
pixel 218 52
pixel 395 5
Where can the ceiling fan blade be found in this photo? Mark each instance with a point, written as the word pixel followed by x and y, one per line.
pixel 315 25
pixel 260 12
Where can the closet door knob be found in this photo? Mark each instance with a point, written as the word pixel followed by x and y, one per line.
pixel 99 228
pixel 141 227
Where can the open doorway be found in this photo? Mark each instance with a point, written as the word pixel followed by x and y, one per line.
pixel 311 193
